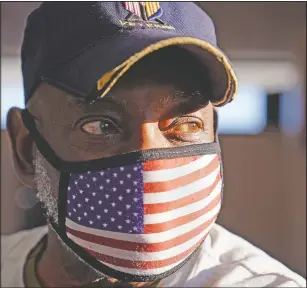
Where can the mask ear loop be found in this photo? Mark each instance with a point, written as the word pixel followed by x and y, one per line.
pixel 215 124
pixel 216 139
pixel 41 144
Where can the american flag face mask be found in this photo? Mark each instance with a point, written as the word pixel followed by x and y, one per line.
pixel 138 216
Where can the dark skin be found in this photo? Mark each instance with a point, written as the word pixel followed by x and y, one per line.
pixel 151 114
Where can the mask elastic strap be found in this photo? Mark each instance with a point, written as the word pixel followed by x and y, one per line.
pixel 215 122
pixel 42 145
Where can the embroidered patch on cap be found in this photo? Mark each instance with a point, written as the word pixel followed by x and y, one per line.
pixel 145 10
pixel 147 15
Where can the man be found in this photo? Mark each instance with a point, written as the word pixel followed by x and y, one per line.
pixel 119 139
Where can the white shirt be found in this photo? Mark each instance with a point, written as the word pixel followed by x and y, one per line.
pixel 223 260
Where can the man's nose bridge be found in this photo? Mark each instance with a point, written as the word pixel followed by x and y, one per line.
pixel 151 136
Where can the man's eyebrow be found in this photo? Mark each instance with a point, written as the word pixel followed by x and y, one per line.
pixel 107 99
pixel 180 96
pixel 110 98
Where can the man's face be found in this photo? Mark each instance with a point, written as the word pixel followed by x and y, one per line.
pixel 139 113
pixel 129 119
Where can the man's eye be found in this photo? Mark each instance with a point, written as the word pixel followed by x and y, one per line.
pixel 100 127
pixel 188 127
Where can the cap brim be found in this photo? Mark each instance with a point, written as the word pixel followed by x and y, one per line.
pixel 102 64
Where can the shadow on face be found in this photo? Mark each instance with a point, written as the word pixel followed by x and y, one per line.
pixel 162 101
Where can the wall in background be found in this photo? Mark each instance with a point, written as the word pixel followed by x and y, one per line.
pixel 257 29
pixel 265 194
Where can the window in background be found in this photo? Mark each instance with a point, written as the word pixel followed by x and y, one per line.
pixel 291 111
pixel 11 96
pixel 11 86
pixel 247 114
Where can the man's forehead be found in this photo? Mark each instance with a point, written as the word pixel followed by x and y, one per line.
pixel 163 99
pixel 145 106
pixel 49 96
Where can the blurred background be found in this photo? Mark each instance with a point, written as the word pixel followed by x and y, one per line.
pixel 262 132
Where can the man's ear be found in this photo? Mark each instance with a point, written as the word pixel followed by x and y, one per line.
pixel 22 147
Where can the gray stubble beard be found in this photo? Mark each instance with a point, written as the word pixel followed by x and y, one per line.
pixel 47 188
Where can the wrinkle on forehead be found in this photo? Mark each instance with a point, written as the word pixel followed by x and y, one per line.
pixel 176 97
pixel 179 96
pixel 164 102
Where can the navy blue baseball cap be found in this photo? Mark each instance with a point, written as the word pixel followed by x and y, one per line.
pixel 84 48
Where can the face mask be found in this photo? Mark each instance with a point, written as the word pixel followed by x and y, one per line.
pixel 138 216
